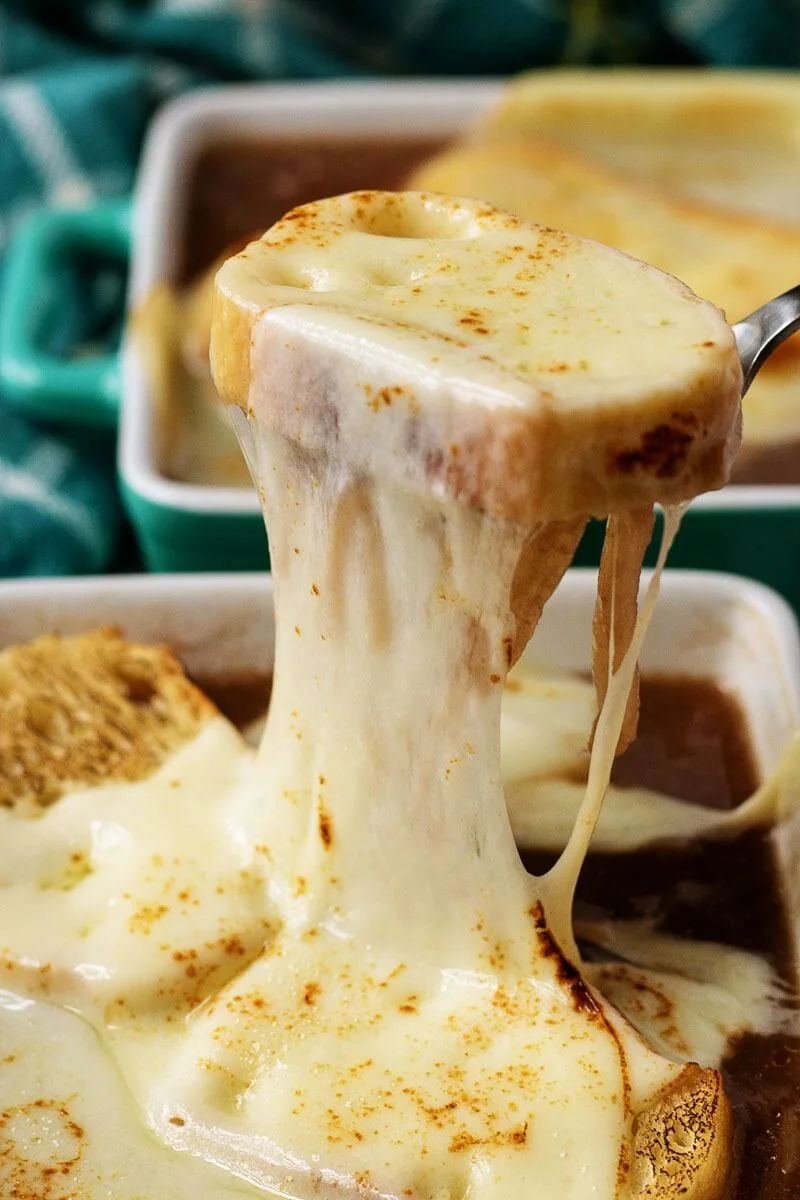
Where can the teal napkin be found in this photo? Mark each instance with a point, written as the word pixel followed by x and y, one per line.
pixel 79 80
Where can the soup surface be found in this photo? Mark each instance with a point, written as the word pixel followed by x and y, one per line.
pixel 242 185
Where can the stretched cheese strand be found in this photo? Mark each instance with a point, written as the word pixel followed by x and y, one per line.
pixel 562 880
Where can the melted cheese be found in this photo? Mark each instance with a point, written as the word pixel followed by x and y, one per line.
pixel 710 991
pixel 688 998
pixel 68 1127
pixel 480 289
pixel 107 902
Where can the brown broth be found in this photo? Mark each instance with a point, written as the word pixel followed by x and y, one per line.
pixel 245 185
pixel 242 698
pixel 693 743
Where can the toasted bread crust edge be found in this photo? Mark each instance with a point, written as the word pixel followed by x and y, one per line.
pixel 683 1140
pixel 81 711
pixel 512 464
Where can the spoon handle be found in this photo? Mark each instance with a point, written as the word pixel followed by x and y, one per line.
pixel 764 330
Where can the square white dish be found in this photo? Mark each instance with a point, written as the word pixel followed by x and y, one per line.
pixel 188 526
pixel 718 627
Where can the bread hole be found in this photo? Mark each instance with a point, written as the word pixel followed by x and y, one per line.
pixel 138 686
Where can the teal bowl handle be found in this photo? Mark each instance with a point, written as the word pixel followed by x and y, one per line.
pixel 40 384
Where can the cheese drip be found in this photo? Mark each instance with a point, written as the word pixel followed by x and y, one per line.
pixel 563 879
pixel 414 1028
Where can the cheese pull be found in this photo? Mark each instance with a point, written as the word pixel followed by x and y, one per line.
pixel 439 341
pixel 435 398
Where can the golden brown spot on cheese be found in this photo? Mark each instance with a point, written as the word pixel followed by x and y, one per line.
pixel 59 1143
pixel 233 946
pixel 311 993
pixel 582 999
pixel 143 920
pixel 325 827
pixel 385 397
pixel 510 1137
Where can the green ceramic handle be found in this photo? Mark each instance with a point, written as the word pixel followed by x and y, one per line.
pixel 81 391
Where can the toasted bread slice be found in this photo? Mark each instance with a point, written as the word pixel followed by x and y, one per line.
pixel 448 344
pixel 198 306
pixel 728 137
pixel 89 709
pixel 735 260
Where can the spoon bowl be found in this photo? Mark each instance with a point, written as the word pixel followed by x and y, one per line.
pixel 758 335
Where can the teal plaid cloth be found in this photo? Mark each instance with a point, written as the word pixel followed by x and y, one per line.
pixel 79 80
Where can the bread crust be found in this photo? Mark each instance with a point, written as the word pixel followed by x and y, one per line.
pixel 77 712
pixel 683 1140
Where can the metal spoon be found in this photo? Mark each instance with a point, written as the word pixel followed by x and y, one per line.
pixel 764 330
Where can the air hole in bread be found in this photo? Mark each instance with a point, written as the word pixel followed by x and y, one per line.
pixel 138 687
